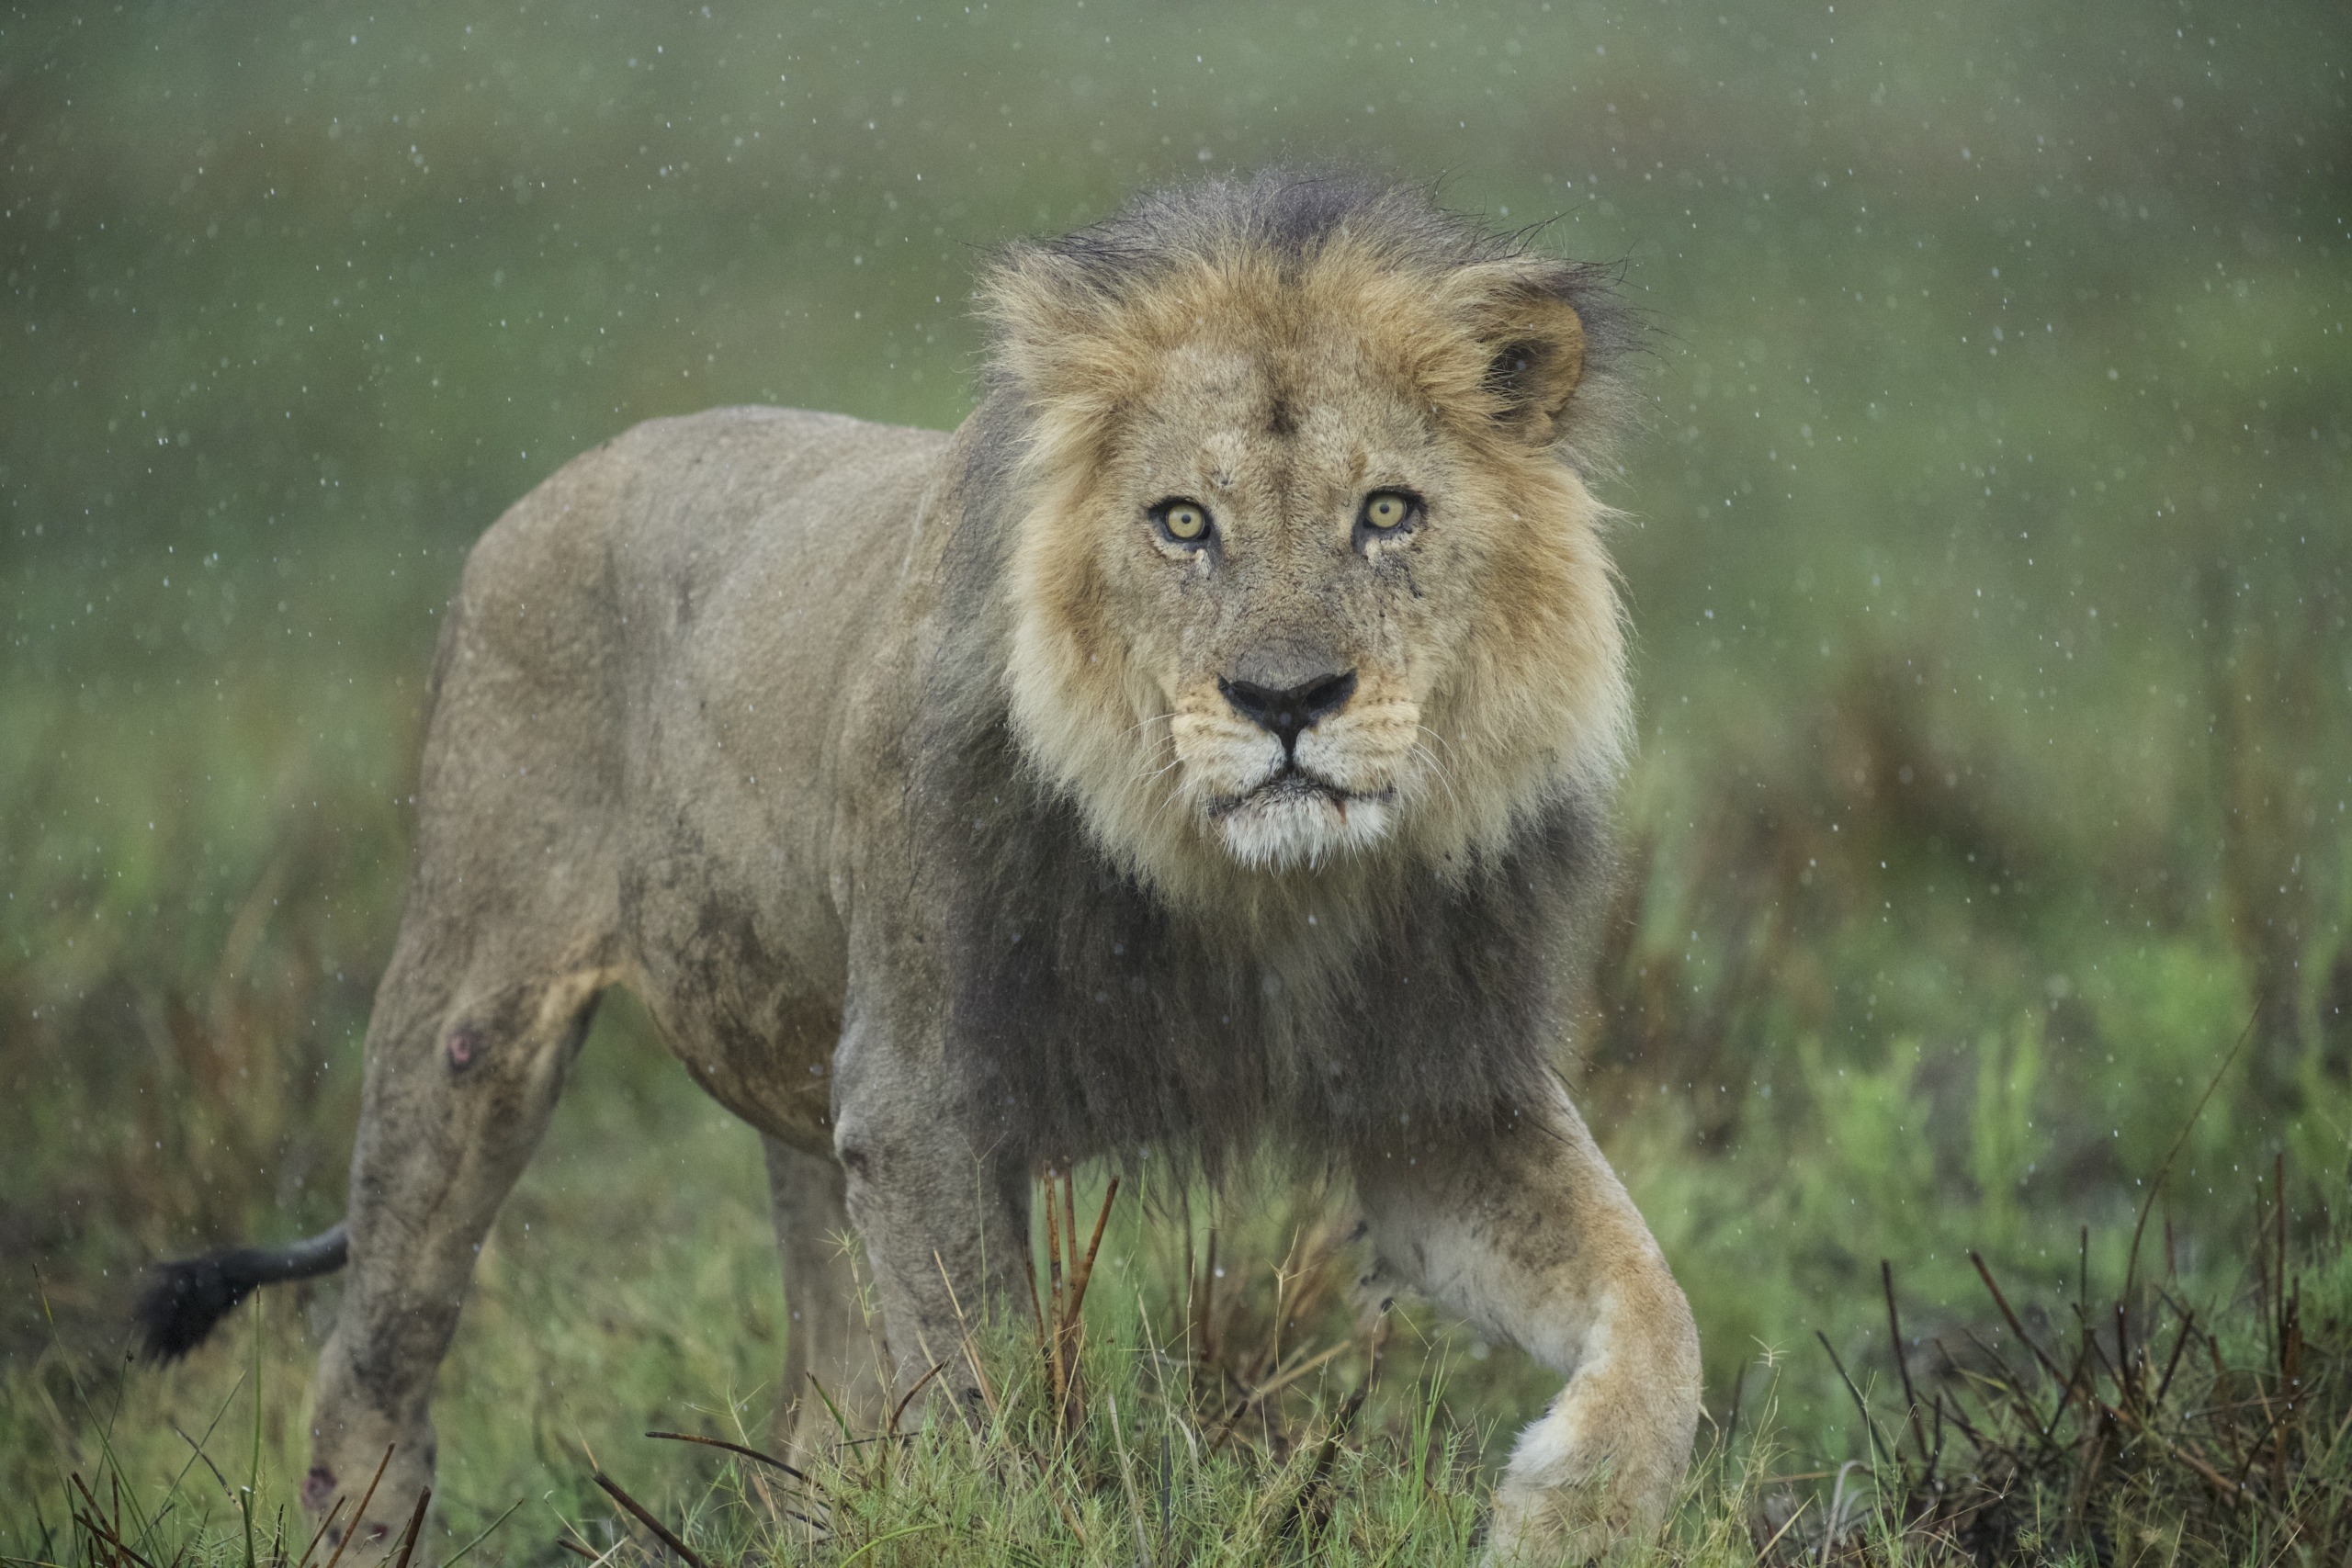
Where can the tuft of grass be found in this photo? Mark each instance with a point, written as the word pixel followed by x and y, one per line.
pixel 2148 1429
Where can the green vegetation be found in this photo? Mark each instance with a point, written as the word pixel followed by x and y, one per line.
pixel 1986 543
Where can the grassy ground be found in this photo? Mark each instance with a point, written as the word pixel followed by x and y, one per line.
pixel 1988 555
pixel 1182 1418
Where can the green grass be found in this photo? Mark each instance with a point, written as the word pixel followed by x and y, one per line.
pixel 2036 1440
pixel 1986 551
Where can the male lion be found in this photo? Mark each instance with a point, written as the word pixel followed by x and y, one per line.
pixel 1204 747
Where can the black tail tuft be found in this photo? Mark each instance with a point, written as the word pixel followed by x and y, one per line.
pixel 191 1295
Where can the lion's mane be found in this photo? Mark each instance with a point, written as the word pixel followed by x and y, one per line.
pixel 1104 1004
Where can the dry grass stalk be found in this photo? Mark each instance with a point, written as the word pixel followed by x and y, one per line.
pixel 1238 1364
pixel 361 1512
pixel 415 1523
pixel 645 1516
pixel 105 1535
pixel 1059 1314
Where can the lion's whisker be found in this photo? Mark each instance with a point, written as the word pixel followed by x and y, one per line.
pixel 1437 734
pixel 1438 771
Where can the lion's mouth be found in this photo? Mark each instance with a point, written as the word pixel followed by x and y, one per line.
pixel 1292 783
pixel 1294 816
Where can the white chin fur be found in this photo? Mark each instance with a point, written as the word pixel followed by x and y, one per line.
pixel 1283 830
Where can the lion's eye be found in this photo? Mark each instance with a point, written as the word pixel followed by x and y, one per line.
pixel 1186 522
pixel 1385 510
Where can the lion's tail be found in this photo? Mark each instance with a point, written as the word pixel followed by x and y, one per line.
pixel 191 1295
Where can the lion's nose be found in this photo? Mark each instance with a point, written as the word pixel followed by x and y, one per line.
pixel 1289 711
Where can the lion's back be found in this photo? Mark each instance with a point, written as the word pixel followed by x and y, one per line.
pixel 678 508
pixel 661 631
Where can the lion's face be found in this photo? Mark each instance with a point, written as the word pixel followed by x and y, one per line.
pixel 1302 581
pixel 1283 560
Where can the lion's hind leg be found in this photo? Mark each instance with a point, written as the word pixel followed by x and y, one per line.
pixel 1529 1235
pixel 467 1052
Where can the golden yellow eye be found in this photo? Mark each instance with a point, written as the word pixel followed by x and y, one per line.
pixel 1185 522
pixel 1386 510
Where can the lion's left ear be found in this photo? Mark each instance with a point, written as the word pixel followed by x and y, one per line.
pixel 1536 348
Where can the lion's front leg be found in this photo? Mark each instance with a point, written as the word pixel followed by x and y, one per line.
pixel 944 1222
pixel 1529 1235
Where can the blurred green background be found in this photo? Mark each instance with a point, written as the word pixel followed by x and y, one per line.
pixel 1986 541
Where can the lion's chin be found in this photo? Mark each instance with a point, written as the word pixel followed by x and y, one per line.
pixel 1292 822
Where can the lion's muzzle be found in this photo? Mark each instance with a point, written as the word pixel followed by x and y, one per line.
pixel 1288 712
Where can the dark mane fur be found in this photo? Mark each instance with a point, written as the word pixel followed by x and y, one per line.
pixel 1087 1019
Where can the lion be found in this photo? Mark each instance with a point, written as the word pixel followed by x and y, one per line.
pixel 1205 748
